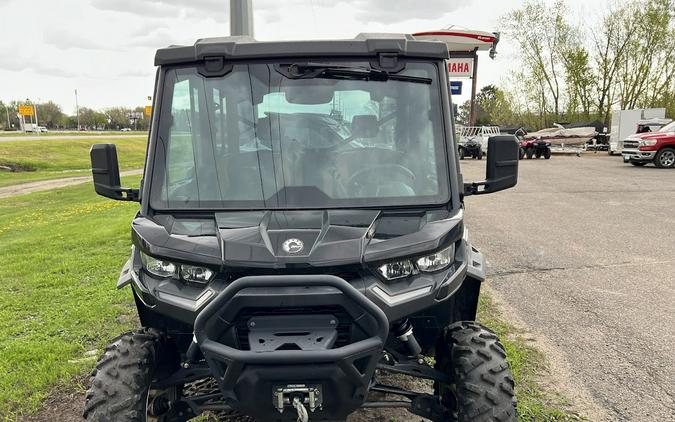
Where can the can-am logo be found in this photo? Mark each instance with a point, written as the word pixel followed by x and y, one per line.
pixel 292 246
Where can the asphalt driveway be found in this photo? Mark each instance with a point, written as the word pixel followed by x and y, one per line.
pixel 582 252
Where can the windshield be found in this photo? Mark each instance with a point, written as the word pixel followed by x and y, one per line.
pixel 264 137
pixel 670 127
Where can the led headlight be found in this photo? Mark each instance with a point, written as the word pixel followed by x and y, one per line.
pixel 396 269
pixel 195 274
pixel 158 267
pixel 436 261
pixel 648 142
pixel 190 273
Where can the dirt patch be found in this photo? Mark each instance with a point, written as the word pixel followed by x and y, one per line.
pixel 63 404
pixel 16 167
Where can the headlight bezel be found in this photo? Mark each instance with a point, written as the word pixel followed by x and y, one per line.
pixel 177 273
pixel 449 251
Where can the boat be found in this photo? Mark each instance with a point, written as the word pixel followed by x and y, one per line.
pixel 560 136
pixel 459 39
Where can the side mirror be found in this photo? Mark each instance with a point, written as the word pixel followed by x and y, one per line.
pixel 502 166
pixel 106 172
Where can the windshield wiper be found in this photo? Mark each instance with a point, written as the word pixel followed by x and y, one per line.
pixel 318 70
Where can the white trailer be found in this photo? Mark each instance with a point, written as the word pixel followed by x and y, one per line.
pixel 625 123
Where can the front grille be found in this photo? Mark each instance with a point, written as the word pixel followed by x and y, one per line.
pixel 631 144
pixel 344 327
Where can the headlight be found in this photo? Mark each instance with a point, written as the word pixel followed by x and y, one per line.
pixel 158 267
pixel 195 274
pixel 161 268
pixel 396 269
pixel 437 261
pixel 648 142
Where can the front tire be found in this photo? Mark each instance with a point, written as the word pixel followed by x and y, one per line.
pixel 530 153
pixel 482 385
pixel 547 154
pixel 121 385
pixel 665 158
pixel 462 153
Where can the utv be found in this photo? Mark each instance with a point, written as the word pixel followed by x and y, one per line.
pixel 471 148
pixel 535 148
pixel 301 232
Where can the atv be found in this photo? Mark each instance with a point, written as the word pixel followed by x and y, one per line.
pixel 471 148
pixel 538 148
pixel 301 233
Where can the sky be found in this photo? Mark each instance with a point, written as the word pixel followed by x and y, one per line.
pixel 105 48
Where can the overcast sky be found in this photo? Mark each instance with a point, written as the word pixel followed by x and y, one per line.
pixel 105 48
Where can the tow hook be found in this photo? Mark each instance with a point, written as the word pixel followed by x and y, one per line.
pixel 298 396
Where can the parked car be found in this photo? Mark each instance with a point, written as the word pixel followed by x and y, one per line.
pixel 42 129
pixel 651 147
pixel 126 129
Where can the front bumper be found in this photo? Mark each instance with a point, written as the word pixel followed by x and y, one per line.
pixel 249 376
pixel 637 155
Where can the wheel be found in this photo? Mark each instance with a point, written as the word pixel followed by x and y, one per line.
pixel 530 153
pixel 482 386
pixel 122 383
pixel 537 154
pixel 462 153
pixel 479 155
pixel 638 163
pixel 521 153
pixel 547 153
pixel 610 152
pixel 665 158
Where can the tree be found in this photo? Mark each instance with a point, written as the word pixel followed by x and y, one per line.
pixel 541 32
pixel 50 115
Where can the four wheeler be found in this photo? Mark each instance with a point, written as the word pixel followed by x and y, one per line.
pixel 532 148
pixel 471 148
pixel 286 253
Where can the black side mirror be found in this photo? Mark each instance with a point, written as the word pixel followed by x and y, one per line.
pixel 106 172
pixel 502 166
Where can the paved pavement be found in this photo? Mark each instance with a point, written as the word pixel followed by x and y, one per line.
pixel 582 252
pixel 43 185
pixel 75 136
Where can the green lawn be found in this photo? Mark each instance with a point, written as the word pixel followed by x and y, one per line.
pixel 53 159
pixel 75 133
pixel 61 252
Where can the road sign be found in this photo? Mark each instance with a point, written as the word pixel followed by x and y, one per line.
pixel 148 111
pixel 26 110
pixel 460 67
pixel 455 87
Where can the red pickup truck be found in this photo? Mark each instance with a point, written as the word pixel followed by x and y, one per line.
pixel 657 147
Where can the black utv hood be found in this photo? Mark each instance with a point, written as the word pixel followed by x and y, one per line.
pixel 311 238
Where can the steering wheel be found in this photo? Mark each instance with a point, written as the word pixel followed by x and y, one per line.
pixel 399 168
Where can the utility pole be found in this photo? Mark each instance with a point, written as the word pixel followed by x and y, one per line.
pixel 7 111
pixel 77 111
pixel 241 17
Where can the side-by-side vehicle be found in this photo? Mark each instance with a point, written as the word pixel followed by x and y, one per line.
pixel 301 232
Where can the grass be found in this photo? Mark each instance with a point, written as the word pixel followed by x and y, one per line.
pixel 75 133
pixel 61 252
pixel 57 158
pixel 528 365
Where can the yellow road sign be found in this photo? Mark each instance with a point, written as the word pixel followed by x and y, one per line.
pixel 26 110
pixel 148 111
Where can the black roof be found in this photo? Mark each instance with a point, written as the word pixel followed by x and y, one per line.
pixel 243 47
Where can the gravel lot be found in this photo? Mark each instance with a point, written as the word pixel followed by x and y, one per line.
pixel 581 252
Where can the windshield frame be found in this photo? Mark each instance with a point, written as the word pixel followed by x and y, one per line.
pixel 448 180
